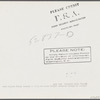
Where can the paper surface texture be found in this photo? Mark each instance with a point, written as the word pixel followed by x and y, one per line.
pixel 50 49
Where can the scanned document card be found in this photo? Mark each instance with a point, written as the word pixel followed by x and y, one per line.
pixel 49 49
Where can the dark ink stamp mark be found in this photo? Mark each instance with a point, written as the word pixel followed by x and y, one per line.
pixel 67 55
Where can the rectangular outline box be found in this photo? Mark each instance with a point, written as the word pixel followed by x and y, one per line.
pixel 69 62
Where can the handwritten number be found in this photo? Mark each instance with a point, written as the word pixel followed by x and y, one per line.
pixel 34 38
